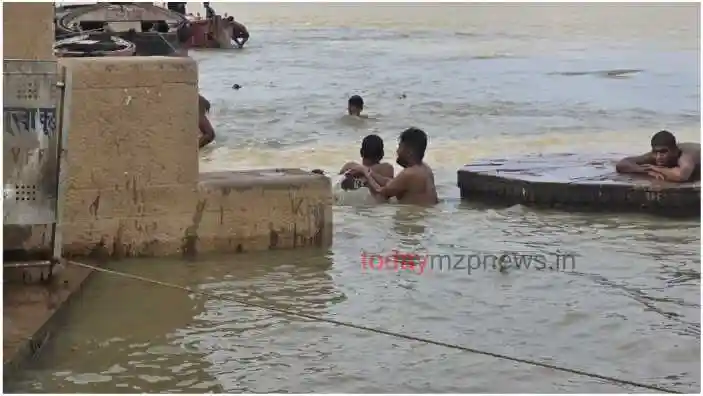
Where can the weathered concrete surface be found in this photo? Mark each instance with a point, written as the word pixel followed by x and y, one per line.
pixel 132 148
pixel 132 184
pixel 30 310
pixel 28 29
pixel 262 209
pixel 572 181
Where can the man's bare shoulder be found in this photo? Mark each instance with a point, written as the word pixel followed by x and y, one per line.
pixel 692 149
pixel 429 172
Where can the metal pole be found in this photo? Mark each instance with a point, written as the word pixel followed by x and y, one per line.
pixel 66 86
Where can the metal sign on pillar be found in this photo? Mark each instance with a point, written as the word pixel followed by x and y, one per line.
pixel 33 143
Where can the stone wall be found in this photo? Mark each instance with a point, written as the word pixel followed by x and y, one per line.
pixel 133 187
pixel 132 153
pixel 28 30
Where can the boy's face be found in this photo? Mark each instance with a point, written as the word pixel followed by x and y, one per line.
pixel 664 156
pixel 353 110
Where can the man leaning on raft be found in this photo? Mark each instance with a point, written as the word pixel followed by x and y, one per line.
pixel 669 161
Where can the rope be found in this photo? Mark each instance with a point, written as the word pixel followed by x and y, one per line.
pixel 384 332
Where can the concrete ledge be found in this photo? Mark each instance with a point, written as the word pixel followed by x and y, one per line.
pixel 32 312
pixel 228 212
pixel 131 71
pixel 262 209
pixel 567 181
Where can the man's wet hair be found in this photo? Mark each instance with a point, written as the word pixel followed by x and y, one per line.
pixel 372 148
pixel 356 101
pixel 664 139
pixel 416 140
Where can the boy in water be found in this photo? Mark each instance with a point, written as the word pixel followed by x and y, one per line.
pixel 415 183
pixel 355 106
pixel 371 155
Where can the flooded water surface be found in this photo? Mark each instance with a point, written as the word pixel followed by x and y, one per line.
pixel 484 81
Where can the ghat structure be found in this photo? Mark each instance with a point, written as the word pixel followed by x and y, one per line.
pixel 573 182
pixel 133 184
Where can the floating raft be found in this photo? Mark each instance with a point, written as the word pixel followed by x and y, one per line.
pixel 571 181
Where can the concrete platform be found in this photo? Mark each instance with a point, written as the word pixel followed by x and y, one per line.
pixel 241 211
pixel 572 181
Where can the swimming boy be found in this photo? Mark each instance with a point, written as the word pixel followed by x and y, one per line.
pixel 355 106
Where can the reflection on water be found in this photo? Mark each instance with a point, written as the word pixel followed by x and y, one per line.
pixel 482 81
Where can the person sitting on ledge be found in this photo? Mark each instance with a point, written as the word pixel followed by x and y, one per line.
pixel 207 133
pixel 669 161
pixel 371 155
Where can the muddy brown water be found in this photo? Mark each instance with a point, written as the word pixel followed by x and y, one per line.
pixel 484 81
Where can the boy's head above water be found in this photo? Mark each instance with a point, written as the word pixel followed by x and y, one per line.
pixel 371 150
pixel 355 105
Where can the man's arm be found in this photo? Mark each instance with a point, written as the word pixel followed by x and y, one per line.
pixel 635 164
pixel 379 178
pixel 394 187
pixel 366 171
pixel 678 174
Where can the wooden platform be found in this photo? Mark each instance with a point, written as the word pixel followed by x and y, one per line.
pixel 571 181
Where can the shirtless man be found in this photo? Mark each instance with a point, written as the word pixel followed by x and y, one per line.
pixel 207 132
pixel 371 155
pixel 669 161
pixel 415 184
pixel 240 34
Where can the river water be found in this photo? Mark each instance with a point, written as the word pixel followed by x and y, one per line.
pixel 483 80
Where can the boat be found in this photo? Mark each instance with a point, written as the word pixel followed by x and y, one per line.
pixel 101 29
pixel 218 32
pixel 117 17
pixel 93 44
pixel 104 29
pixel 214 31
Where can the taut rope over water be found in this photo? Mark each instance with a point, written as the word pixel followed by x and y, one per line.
pixel 380 331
